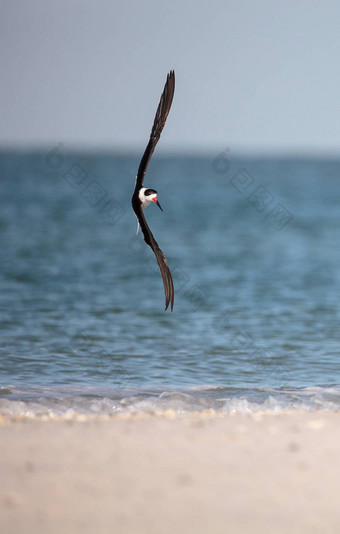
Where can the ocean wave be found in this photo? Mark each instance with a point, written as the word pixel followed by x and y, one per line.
pixel 68 401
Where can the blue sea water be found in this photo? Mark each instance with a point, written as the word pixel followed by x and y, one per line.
pixel 253 245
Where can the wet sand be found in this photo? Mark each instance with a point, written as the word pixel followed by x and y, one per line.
pixel 165 474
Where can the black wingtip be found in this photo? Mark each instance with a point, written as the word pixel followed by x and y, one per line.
pixel 169 300
pixel 171 307
pixel 171 77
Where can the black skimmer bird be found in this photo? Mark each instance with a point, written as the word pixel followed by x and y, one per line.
pixel 143 196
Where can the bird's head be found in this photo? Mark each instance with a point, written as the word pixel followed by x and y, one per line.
pixel 147 196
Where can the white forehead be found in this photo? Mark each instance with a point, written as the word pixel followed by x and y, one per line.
pixel 142 193
pixel 146 199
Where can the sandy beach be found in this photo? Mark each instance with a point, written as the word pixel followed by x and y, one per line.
pixel 165 474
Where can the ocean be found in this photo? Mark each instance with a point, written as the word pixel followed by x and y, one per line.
pixel 253 246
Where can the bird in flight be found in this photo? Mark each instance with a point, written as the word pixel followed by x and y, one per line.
pixel 143 196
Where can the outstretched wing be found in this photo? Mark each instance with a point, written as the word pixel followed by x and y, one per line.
pixel 161 259
pixel 158 125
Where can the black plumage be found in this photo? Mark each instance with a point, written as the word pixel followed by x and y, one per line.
pixel 158 125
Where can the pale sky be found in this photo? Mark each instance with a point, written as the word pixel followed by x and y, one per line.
pixel 253 76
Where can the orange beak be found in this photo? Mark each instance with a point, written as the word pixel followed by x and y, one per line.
pixel 156 202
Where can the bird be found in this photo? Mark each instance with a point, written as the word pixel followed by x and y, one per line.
pixel 143 196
